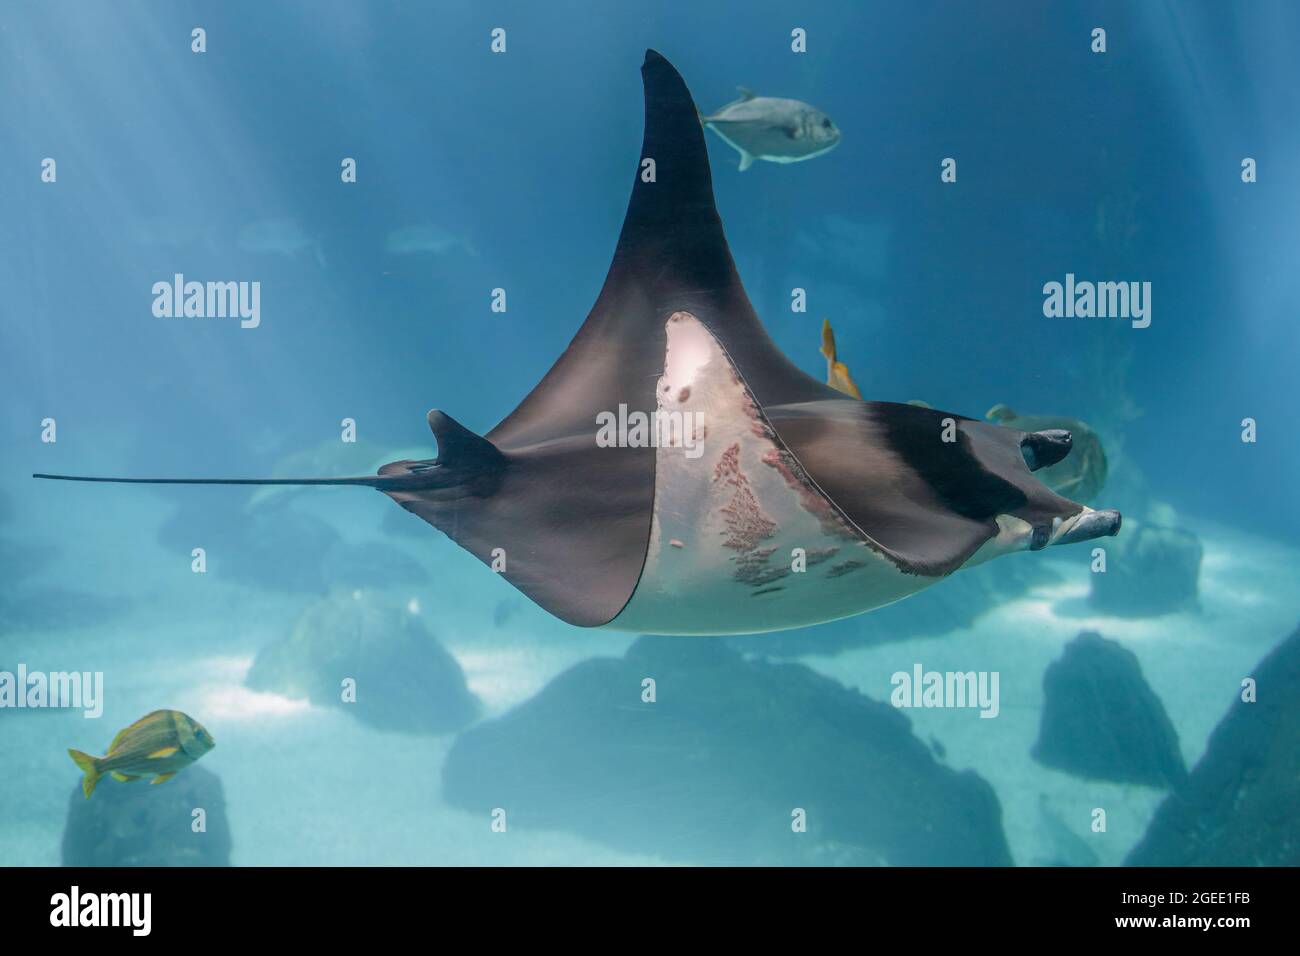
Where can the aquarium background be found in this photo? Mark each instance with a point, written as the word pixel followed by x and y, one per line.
pixel 479 170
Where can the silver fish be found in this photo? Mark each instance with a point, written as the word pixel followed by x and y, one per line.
pixel 777 130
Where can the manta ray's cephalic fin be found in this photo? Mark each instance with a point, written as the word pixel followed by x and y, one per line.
pixel 1041 449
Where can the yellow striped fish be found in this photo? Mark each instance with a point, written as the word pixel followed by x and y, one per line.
pixel 160 745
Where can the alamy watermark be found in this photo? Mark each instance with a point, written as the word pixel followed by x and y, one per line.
pixel 922 688
pixel 658 429
pixel 209 300
pixel 75 908
pixel 1102 300
pixel 73 690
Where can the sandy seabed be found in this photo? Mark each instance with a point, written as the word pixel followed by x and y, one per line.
pixel 312 786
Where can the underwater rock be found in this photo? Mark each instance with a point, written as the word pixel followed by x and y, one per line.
pixel 192 525
pixel 1238 805
pixel 370 564
pixel 21 561
pixel 30 608
pixel 138 824
pixel 952 604
pixel 714 769
pixel 1127 487
pixel 1153 571
pixel 1063 846
pixel 283 550
pixel 405 680
pixel 275 547
pixel 1101 719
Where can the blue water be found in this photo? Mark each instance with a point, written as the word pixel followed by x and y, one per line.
pixel 1117 166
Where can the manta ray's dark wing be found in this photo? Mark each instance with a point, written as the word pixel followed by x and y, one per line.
pixel 572 519
pixel 672 255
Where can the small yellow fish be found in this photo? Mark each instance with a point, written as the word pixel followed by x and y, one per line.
pixel 160 744
pixel 837 373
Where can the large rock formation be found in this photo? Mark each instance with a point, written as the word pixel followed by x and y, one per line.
pixel 1238 806
pixel 404 679
pixel 140 824
pixel 1102 721
pixel 1153 571
pixel 714 770
pixel 371 564
pixel 275 547
pixel 278 547
pixel 20 560
pixel 30 607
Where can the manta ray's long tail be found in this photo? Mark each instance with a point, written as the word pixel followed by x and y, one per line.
pixel 465 462
pixel 368 481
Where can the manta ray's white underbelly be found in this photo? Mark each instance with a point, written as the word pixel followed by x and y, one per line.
pixel 742 540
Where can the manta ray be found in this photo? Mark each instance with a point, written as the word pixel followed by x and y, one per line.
pixel 781 503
